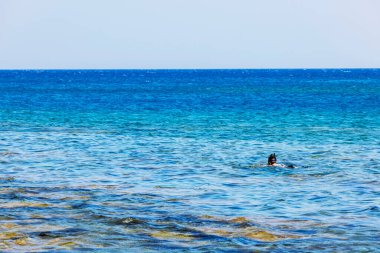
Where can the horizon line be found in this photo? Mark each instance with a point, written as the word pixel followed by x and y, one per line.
pixel 142 69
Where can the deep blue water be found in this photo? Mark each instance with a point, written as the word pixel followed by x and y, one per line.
pixel 172 160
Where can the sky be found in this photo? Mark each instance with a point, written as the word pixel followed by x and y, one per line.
pixel 195 34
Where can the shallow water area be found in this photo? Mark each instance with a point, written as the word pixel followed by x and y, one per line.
pixel 147 161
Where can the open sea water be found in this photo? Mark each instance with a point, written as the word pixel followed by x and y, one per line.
pixel 174 161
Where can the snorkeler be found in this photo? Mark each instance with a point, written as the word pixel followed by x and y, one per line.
pixel 272 161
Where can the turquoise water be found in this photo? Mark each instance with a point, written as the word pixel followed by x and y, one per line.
pixel 172 161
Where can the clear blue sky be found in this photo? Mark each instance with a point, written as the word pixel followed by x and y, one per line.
pixel 47 34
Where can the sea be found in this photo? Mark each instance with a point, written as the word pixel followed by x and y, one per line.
pixel 175 160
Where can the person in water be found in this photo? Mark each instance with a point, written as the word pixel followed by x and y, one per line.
pixel 272 161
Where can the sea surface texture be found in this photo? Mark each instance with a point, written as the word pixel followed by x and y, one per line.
pixel 174 161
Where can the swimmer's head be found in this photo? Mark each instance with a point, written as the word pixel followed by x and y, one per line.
pixel 272 159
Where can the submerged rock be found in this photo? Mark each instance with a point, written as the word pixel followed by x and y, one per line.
pixel 168 235
pixel 249 233
pixel 4 245
pixel 10 235
pixel 22 241
pixel 58 242
pixel 209 217
pixel 262 235
pixel 239 220
pixel 131 220
pixel 62 233
pixel 218 232
pixel 5 217
pixel 37 216
pixel 74 198
pixel 7 179
pixel 49 235
pixel 126 221
pixel 54 241
pixel 23 204
pixel 8 225
pixel 239 227
pixel 67 244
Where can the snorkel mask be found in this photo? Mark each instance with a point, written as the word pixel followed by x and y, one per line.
pixel 272 159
